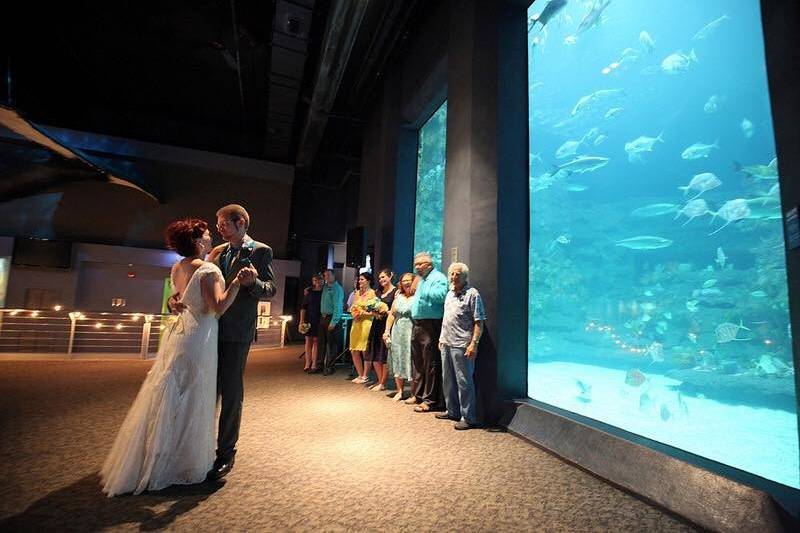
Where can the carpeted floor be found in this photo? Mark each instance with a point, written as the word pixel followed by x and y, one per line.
pixel 316 453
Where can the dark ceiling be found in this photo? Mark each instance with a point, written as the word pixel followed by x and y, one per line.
pixel 280 80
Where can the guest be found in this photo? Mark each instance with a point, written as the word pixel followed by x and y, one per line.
pixel 427 308
pixel 398 335
pixel 462 326
pixel 331 303
pixel 310 316
pixel 363 303
pixel 378 353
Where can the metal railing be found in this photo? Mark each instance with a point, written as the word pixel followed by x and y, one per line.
pixel 74 333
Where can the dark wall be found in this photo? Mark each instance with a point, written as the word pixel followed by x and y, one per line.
pixel 473 54
pixel 112 214
pixel 780 22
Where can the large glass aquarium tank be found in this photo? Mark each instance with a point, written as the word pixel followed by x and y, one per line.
pixel 658 292
pixel 431 156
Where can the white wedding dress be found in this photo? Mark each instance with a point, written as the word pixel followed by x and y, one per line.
pixel 167 437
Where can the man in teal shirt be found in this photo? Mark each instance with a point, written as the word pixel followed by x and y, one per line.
pixel 430 289
pixel 331 304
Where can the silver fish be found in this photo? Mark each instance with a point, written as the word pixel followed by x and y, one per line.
pixel 644 242
pixel 584 164
pixel 708 30
pixel 593 17
pixel 699 150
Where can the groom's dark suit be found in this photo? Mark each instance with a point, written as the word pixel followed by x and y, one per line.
pixel 237 329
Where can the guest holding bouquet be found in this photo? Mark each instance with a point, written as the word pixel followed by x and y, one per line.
pixel 365 302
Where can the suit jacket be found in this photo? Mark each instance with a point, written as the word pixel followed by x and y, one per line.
pixel 238 324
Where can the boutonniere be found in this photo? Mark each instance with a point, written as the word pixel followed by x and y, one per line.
pixel 247 249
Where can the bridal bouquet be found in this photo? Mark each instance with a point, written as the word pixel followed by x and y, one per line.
pixel 370 305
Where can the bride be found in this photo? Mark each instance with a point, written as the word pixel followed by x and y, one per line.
pixel 167 437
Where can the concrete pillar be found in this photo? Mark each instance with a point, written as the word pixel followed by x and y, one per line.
pixel 486 208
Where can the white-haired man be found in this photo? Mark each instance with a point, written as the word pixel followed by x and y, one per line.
pixel 427 308
pixel 462 326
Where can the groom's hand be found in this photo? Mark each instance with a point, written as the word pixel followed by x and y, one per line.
pixel 247 276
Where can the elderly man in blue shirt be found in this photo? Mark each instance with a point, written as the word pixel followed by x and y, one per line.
pixel 331 304
pixel 427 308
pixel 462 326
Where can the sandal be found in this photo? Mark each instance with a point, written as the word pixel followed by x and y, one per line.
pixel 411 400
pixel 422 408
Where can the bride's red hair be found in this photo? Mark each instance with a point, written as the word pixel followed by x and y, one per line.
pixel 181 234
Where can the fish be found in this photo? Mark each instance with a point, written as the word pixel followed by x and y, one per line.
pixel 709 29
pixel 567 149
pixel 593 17
pixel 691 306
pixel 701 183
pixel 692 337
pixel 665 413
pixel 647 42
pixel 645 403
pixel 684 408
pixel 731 211
pixel 635 377
pixel 647 306
pixel 709 283
pixel 550 10
pixel 668 315
pixel 760 210
pixel 759 172
pixel 678 63
pixel 642 144
pixel 585 394
pixel 600 139
pixel 699 150
pixel 727 331
pixel 656 352
pixel 713 104
pixel 693 209
pixel 644 242
pixel 613 112
pixel 758 294
pixel 646 318
pixel 721 257
pixel 590 135
pixel 648 293
pixel 747 128
pixel 590 100
pixel 576 187
pixel 570 40
pixel 584 164
pixel 654 210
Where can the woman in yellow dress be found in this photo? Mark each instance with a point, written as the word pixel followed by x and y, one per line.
pixel 363 302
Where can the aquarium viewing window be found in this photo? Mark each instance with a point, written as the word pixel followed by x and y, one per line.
pixel 429 215
pixel 657 276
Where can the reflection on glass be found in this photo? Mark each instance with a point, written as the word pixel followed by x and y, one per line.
pixel 658 290
pixel 429 219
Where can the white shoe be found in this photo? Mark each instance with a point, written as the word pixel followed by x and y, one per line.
pixel 378 387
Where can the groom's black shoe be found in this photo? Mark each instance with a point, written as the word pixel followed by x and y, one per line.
pixel 220 469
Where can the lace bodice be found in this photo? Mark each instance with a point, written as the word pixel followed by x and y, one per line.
pixel 193 294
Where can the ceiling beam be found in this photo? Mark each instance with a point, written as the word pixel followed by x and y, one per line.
pixel 340 36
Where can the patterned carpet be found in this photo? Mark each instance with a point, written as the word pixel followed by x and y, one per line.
pixel 316 453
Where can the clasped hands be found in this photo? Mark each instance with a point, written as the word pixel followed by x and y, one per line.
pixel 246 277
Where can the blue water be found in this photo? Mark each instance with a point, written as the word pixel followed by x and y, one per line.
pixel 678 332
pixel 431 155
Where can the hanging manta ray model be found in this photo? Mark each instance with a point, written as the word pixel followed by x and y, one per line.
pixel 36 177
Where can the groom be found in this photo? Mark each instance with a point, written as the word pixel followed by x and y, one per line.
pixel 251 261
